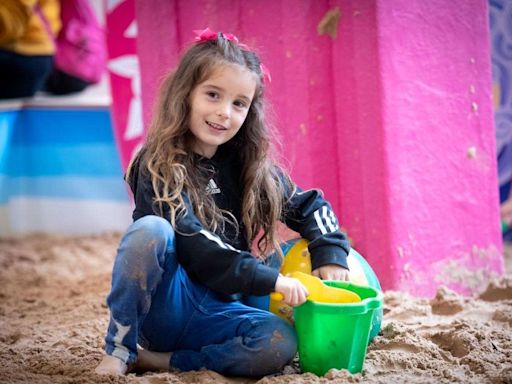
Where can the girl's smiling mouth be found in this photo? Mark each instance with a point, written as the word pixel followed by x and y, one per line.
pixel 216 126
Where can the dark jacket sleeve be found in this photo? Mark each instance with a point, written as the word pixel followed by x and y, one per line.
pixel 309 214
pixel 202 253
pixel 217 264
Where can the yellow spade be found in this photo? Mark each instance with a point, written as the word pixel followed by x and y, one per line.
pixel 320 292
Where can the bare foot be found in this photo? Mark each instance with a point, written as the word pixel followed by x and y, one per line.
pixel 111 365
pixel 152 361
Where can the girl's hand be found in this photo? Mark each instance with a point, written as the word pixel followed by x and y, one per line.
pixel 293 291
pixel 331 272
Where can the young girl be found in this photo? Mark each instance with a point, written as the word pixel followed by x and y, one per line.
pixel 205 188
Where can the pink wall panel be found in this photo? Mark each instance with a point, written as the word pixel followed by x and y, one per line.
pixel 298 58
pixel 391 117
pixel 439 136
pixel 361 151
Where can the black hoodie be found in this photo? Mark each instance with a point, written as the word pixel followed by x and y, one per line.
pixel 222 261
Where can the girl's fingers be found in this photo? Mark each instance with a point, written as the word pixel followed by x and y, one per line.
pixel 293 300
pixel 297 296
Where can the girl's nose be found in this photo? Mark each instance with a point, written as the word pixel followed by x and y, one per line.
pixel 224 111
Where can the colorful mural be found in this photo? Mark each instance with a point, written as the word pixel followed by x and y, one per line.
pixel 500 12
pixel 123 67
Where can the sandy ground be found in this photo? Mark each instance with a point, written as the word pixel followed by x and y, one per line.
pixel 53 319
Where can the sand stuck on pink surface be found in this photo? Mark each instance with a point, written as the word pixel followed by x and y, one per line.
pixel 53 318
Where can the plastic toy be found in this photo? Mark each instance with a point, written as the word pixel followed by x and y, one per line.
pixel 320 292
pixel 336 335
pixel 297 258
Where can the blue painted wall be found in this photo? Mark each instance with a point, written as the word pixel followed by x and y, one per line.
pixel 53 158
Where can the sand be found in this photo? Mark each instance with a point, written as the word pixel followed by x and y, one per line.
pixel 53 318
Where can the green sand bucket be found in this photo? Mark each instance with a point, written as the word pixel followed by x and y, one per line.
pixel 336 335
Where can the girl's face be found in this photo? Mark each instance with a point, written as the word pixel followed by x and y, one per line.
pixel 219 106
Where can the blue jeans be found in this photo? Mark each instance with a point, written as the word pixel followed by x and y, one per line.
pixel 153 302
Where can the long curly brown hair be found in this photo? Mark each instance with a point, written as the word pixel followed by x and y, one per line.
pixel 168 154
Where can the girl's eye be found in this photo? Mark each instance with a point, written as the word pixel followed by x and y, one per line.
pixel 240 104
pixel 212 94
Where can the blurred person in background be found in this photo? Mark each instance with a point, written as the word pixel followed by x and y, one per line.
pixel 81 54
pixel 26 48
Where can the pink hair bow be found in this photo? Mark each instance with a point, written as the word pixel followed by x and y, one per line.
pixel 207 35
pixel 204 35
